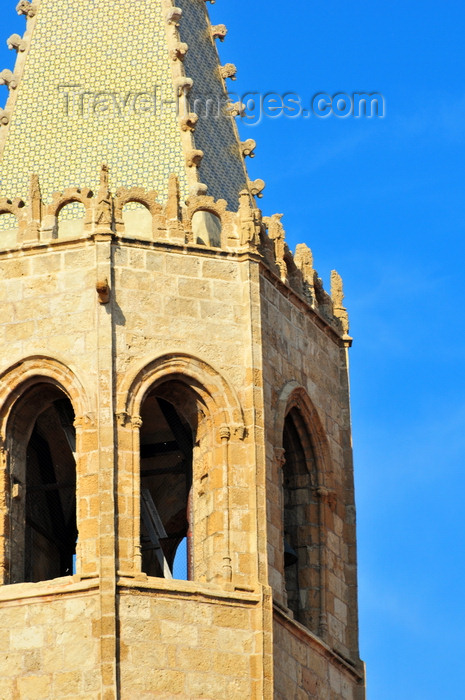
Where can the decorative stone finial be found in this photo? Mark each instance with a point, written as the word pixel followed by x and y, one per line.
pixel 250 230
pixel 277 234
pixel 173 211
pixel 337 292
pixel 257 187
pixel 275 227
pixel 26 8
pixel 172 203
pixel 194 158
pixel 248 147
pixel 15 42
pixel 179 51
pixel 219 31
pixel 32 229
pixel 35 199
pixel 322 298
pixel 174 16
pixel 104 202
pixel 104 176
pixel 228 71
pixel 303 259
pixel 4 117
pixel 7 78
pixel 337 296
pixel 189 122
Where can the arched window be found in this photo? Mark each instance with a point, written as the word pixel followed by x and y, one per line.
pixel 179 412
pixel 137 220
pixel 43 529
pixel 166 453
pixel 70 220
pixel 206 228
pixel 301 526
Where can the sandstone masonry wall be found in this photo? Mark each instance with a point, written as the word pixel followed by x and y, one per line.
pixel 49 637
pixel 298 350
pixel 304 668
pixel 189 642
pixel 108 318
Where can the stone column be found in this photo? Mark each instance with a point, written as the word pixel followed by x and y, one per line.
pixel 106 465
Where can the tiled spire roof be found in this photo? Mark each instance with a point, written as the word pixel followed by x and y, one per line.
pixel 99 82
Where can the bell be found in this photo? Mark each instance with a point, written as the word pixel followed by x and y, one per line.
pixel 290 555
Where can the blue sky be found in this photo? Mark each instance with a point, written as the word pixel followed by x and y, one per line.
pixel 382 201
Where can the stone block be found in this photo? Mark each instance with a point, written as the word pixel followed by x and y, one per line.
pixel 37 687
pixel 67 684
pixel 199 289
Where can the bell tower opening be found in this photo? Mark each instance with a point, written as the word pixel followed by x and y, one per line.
pixel 157 301
pixel 301 523
pixel 166 448
pixel 43 478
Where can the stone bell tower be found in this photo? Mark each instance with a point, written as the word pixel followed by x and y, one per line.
pixel 176 487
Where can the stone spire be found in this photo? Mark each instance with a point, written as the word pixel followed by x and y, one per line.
pixel 135 85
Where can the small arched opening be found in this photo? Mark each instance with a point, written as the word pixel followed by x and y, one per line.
pixel 70 220
pixel 206 227
pixel 137 219
pixel 42 445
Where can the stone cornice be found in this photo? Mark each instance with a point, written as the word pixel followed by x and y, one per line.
pixel 310 639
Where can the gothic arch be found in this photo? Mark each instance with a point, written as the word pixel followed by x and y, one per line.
pixel 146 218
pixel 205 203
pixel 24 373
pixel 15 207
pixel 293 395
pixel 211 386
pixel 137 195
pixel 208 221
pixel 60 200
pixel 302 453
pixel 42 409
pixel 194 409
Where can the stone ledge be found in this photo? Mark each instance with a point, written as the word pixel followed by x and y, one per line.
pixel 302 304
pixel 131 242
pixel 188 590
pixel 45 246
pixel 311 640
pixel 194 250
pixel 24 592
